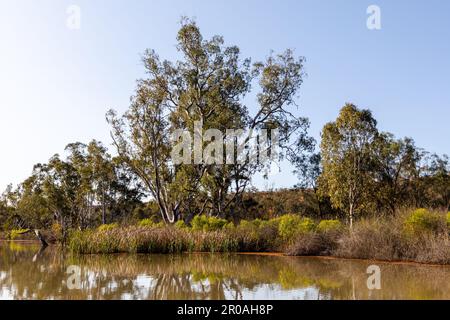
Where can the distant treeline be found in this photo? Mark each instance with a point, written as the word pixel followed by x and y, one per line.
pixel 358 171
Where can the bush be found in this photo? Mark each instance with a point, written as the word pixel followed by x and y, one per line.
pixel 323 241
pixel 329 226
pixel 307 244
pixel 204 223
pixel 291 225
pixel 257 235
pixel 448 220
pixel 180 224
pixel 422 220
pixel 146 223
pixel 14 234
pixel 107 227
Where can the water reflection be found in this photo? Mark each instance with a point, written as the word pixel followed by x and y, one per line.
pixel 27 272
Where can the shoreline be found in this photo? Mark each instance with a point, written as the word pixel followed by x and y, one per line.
pixel 268 254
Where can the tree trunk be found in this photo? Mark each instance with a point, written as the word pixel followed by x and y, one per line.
pixel 103 208
pixel 351 216
pixel 41 238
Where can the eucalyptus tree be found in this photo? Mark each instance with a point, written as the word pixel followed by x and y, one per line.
pixel 60 185
pixel 347 159
pixel 85 188
pixel 6 208
pixel 205 89
pixel 395 166
pixel 438 186
pixel 105 185
pixel 308 169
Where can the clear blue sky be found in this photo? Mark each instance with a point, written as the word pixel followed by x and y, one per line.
pixel 56 84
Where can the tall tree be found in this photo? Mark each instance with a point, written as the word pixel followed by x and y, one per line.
pixel 206 87
pixel 347 158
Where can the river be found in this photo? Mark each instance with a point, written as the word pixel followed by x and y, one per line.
pixel 26 272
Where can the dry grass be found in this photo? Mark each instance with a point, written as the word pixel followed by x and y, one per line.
pixel 391 239
pixel 383 238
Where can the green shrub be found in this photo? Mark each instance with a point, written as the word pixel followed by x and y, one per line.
pixel 229 226
pixel 146 223
pixel 291 225
pixel 14 234
pixel 107 227
pixel 249 224
pixel 180 224
pixel 329 226
pixel 257 235
pixel 422 220
pixel 204 223
pixel 448 220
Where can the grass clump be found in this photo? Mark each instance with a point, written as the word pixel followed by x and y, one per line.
pixel 129 239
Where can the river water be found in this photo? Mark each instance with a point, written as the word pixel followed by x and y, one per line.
pixel 26 272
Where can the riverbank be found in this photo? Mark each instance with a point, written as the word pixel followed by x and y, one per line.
pixel 419 236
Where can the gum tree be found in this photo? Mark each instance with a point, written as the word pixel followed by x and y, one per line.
pixel 207 86
pixel 347 159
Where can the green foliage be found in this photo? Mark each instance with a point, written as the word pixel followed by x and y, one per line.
pixel 347 152
pixel 181 225
pixel 229 226
pixel 14 234
pixel 204 223
pixel 151 240
pixel 329 226
pixel 448 220
pixel 291 225
pixel 146 223
pixel 215 79
pixel 423 220
pixel 108 227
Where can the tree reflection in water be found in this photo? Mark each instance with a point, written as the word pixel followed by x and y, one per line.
pixel 27 272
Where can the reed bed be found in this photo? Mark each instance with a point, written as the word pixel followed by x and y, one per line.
pixel 420 236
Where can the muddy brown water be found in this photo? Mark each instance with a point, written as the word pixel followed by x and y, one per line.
pixel 26 272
